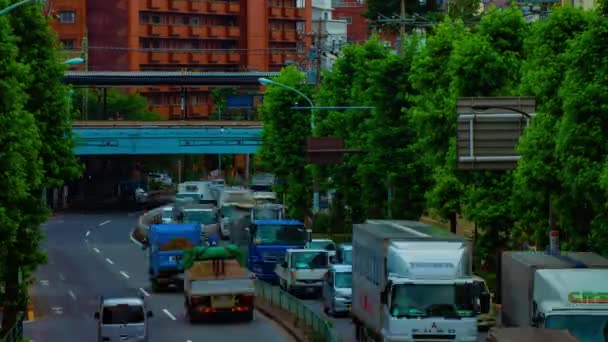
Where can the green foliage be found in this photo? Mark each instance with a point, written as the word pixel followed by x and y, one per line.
pixel 284 140
pixel 463 9
pixel 130 106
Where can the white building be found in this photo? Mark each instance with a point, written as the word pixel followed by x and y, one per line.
pixel 330 32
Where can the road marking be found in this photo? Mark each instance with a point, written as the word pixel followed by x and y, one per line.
pixel 169 314
pixel 57 310
pixel 105 222
pixel 72 294
pixel 125 275
pixel 110 261
pixel 96 250
pixel 144 292
pixel 61 276
pixel 44 282
pixel 88 233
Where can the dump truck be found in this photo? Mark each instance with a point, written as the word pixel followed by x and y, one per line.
pixel 566 290
pixel 414 282
pixel 217 284
pixel 166 245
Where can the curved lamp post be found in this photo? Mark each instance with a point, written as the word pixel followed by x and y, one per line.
pixel 18 4
pixel 74 61
pixel 264 81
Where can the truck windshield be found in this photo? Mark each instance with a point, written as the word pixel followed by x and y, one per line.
pixel 326 245
pixel 409 300
pixel 123 314
pixel 587 328
pixel 344 280
pixel 200 216
pixel 304 260
pixel 280 234
pixel 266 214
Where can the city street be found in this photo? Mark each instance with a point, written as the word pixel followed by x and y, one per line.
pixel 92 255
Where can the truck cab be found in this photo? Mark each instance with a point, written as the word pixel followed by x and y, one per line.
pixel 166 245
pixel 303 270
pixel 572 299
pixel 344 254
pixel 269 240
pixel 337 290
pixel 267 211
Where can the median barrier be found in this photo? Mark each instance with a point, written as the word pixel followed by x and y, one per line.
pixel 303 316
pixel 140 232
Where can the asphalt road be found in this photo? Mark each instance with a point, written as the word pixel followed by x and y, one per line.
pixel 91 255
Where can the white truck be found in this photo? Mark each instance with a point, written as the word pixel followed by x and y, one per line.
pixel 565 291
pixel 414 282
pixel 303 271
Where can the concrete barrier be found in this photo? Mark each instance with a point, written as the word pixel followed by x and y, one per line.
pixel 140 232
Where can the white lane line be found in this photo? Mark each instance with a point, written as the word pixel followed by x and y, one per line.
pixel 105 222
pixel 144 292
pixel 169 314
pixel 124 274
pixel 110 261
pixel 135 241
pixel 61 276
pixel 88 233
pixel 44 282
pixel 72 294
pixel 96 250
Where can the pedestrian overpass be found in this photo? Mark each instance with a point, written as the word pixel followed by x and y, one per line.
pixel 93 138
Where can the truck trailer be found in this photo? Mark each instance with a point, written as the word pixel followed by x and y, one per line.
pixel 414 282
pixel 563 291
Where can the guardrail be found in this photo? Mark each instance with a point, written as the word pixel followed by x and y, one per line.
pixel 322 328
pixel 15 334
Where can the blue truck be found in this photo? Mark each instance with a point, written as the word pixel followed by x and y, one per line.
pixel 268 242
pixel 166 245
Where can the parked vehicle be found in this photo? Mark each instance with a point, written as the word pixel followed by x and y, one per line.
pixel 197 190
pixel 325 244
pixel 166 245
pixel 263 197
pixel 268 242
pixel 160 177
pixel 344 254
pixel 232 196
pixel 122 319
pixel 262 181
pixel 216 284
pixel 337 290
pixel 566 291
pixel 302 270
pixel 267 212
pixel 414 282
pixel 529 335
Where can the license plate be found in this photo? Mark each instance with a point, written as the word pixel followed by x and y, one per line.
pixel 223 302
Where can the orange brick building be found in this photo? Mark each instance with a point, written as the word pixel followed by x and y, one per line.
pixel 196 35
pixel 69 20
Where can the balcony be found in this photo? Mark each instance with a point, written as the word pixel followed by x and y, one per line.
pixel 289 12
pixel 234 7
pixel 290 35
pixel 153 4
pixel 222 7
pixel 198 111
pixel 234 32
pixel 155 57
pixel 218 58
pixel 286 12
pixel 277 59
pixel 198 58
pixel 276 35
pixel 159 30
pixel 179 57
pixel 199 31
pixel 218 31
pixel 300 13
pixel 275 12
pixel 179 31
pixel 197 6
pixel 178 5
pixel 234 58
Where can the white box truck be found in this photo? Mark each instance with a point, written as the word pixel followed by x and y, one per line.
pixel 414 282
pixel 567 291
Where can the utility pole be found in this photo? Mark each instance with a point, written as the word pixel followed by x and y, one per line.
pixel 402 30
pixel 318 54
pixel 85 56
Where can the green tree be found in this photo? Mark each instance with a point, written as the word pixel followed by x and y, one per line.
pixel 22 169
pixel 130 106
pixel 284 140
pixel 463 9
pixel 538 173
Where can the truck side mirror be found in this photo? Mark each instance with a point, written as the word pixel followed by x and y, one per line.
pixel 96 315
pixel 484 300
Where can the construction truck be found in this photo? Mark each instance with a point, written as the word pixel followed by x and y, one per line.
pixel 217 284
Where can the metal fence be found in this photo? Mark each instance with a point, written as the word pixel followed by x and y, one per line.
pixel 16 332
pixel 322 328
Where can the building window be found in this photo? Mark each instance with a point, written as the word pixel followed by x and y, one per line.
pixel 155 19
pixel 325 16
pixel 349 20
pixel 67 17
pixel 68 44
pixel 300 3
pixel 194 21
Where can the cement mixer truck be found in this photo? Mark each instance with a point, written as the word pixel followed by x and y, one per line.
pixel 217 284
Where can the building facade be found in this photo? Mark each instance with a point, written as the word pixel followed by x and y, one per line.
pixel 192 35
pixel 69 21
pixel 329 34
pixel 352 11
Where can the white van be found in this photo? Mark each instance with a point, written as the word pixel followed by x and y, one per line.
pixel 122 319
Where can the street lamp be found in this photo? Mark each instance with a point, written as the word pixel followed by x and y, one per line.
pixel 18 4
pixel 74 61
pixel 264 81
pixel 486 107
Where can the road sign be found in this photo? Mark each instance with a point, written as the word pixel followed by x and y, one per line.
pixel 325 150
pixel 487 138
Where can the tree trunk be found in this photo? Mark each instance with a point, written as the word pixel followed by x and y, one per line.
pixel 11 297
pixel 453 222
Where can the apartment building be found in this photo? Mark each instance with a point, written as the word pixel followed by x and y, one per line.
pixel 352 11
pixel 69 20
pixel 330 33
pixel 192 35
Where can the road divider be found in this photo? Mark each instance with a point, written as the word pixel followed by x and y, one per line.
pixel 293 313
pixel 139 234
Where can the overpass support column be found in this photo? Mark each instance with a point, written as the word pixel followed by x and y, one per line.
pixel 247 166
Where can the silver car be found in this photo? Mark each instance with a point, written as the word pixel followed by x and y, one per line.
pixel 122 319
pixel 337 290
